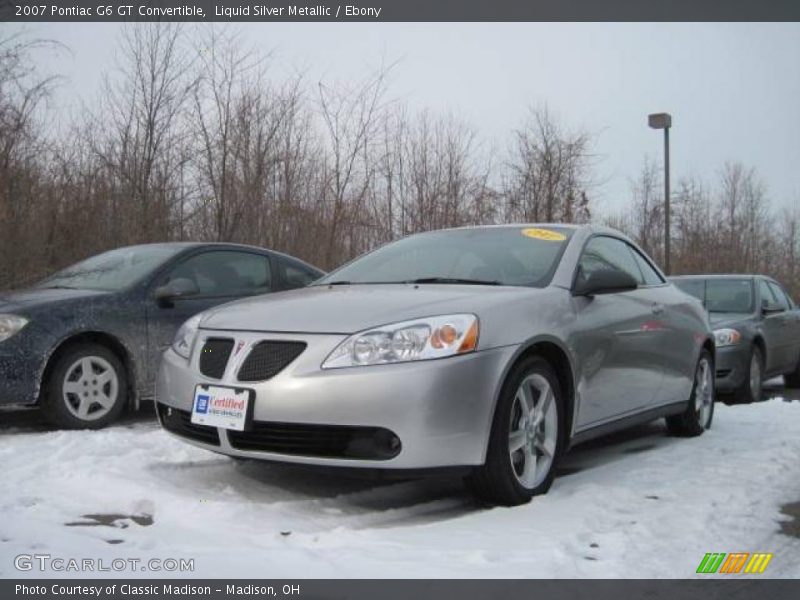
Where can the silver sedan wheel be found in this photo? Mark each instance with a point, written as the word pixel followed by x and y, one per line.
pixel 533 431
pixel 90 388
pixel 755 377
pixel 704 392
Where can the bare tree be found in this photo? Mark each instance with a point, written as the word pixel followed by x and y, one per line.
pixel 202 142
pixel 351 116
pixel 548 177
pixel 139 133
pixel 22 144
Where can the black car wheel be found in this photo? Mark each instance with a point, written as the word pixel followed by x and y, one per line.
pixel 792 380
pixel 85 389
pixel 750 390
pixel 526 440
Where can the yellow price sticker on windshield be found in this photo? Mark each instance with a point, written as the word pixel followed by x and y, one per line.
pixel 544 234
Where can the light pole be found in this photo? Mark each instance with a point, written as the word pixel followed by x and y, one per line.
pixel 664 121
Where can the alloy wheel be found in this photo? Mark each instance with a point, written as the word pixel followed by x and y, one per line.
pixel 533 431
pixel 704 392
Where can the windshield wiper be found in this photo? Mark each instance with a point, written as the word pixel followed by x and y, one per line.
pixel 454 280
pixel 334 283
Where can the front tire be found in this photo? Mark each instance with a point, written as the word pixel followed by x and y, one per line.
pixel 526 439
pixel 86 388
pixel 700 409
pixel 750 390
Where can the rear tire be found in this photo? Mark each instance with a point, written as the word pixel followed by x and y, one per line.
pixel 87 388
pixel 792 380
pixel 700 409
pixel 527 437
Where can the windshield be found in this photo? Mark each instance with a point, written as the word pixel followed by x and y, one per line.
pixel 721 295
pixel 112 271
pixel 522 256
pixel 729 295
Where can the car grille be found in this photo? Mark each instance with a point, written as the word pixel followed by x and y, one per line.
pixel 180 422
pixel 268 358
pixel 214 357
pixel 326 441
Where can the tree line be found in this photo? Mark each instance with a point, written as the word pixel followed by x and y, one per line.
pixel 725 224
pixel 193 138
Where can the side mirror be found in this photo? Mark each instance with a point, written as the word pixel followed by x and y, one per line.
pixel 177 288
pixel 605 281
pixel 770 308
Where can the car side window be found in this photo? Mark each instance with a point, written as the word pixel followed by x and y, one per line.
pixel 294 276
pixel 789 299
pixel 780 295
pixel 226 273
pixel 767 297
pixel 603 252
pixel 649 274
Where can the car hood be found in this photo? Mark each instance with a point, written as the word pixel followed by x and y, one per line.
pixel 352 308
pixel 719 320
pixel 34 298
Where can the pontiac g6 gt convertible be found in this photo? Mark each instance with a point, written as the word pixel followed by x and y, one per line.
pixel 490 349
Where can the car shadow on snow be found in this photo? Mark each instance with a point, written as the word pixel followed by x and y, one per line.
pixel 359 499
pixel 22 420
pixel 363 499
pixel 774 389
pixel 613 447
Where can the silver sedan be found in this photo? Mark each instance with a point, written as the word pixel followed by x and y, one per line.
pixel 490 349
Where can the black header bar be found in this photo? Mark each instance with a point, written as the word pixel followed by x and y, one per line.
pixel 371 11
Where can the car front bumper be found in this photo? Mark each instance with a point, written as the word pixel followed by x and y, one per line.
pixel 440 410
pixel 731 365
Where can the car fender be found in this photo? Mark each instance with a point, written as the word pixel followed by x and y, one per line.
pixel 521 350
pixel 97 336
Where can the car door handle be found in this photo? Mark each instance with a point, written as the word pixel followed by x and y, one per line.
pixel 657 308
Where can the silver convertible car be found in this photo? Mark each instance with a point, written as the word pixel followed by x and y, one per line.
pixel 488 349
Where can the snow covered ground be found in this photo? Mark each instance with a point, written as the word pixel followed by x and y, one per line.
pixel 638 504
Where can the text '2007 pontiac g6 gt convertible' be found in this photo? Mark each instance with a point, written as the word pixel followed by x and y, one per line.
pixel 489 349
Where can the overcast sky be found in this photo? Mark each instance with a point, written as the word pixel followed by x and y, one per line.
pixel 733 89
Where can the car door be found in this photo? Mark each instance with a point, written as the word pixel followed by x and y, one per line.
pixel 677 321
pixel 617 346
pixel 219 276
pixel 779 321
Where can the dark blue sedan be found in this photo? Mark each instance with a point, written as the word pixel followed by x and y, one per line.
pixel 86 342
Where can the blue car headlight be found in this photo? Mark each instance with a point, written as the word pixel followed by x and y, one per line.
pixel 10 325
pixel 421 339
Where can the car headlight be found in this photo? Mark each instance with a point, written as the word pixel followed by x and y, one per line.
pixel 11 324
pixel 727 337
pixel 420 339
pixel 184 339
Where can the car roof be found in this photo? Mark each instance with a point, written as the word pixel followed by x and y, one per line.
pixel 188 245
pixel 194 245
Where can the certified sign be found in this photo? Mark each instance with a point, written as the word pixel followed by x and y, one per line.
pixel 220 407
